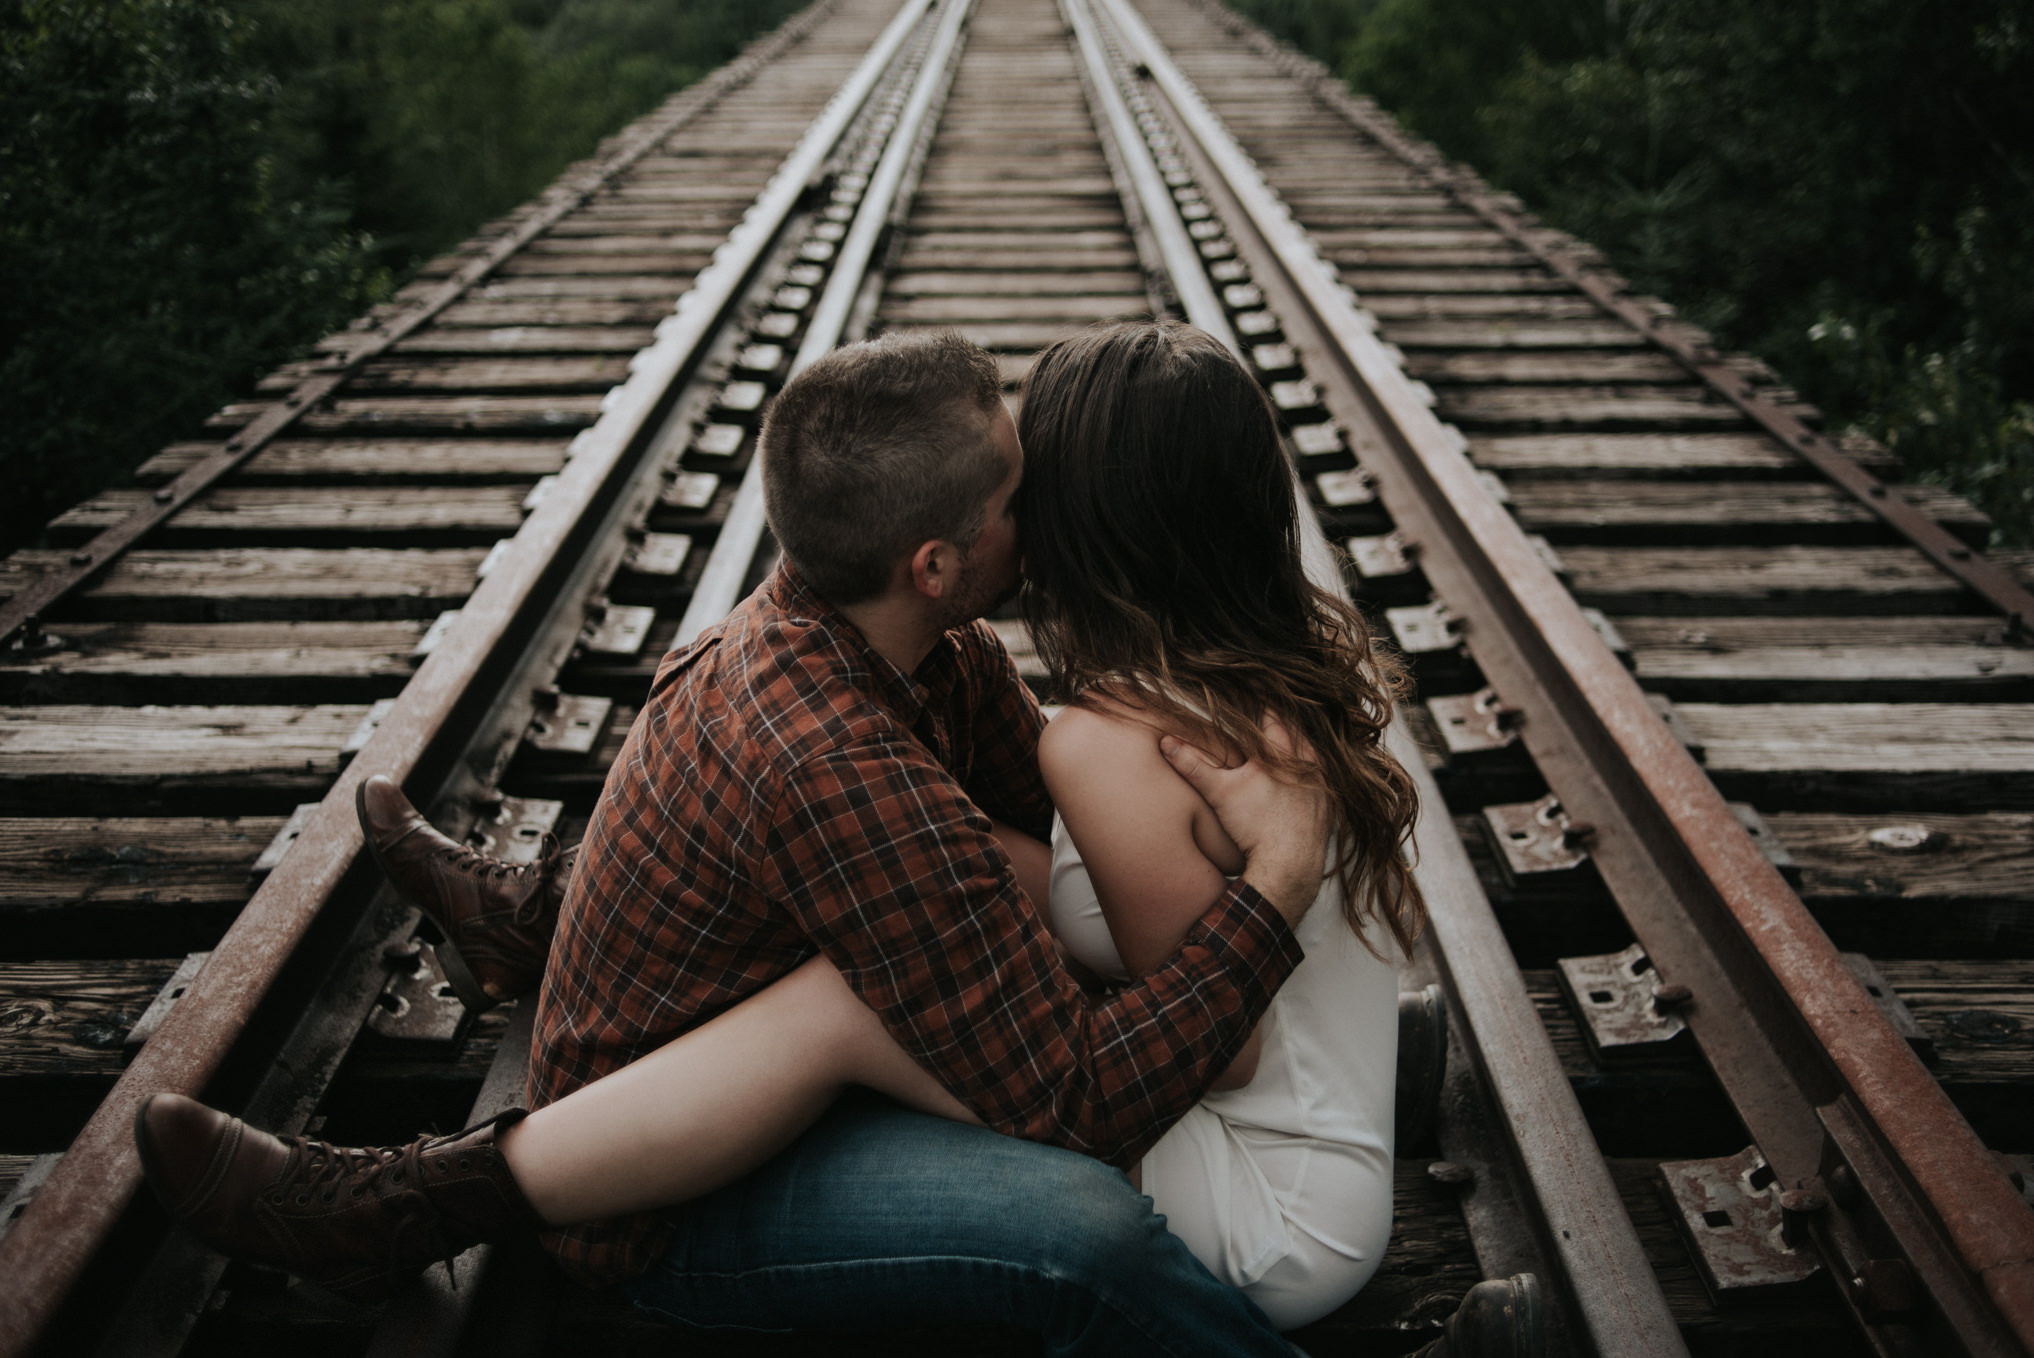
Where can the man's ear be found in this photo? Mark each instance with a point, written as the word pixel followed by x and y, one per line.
pixel 932 568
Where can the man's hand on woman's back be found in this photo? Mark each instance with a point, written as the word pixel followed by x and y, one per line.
pixel 1281 827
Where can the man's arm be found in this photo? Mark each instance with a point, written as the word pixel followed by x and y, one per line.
pixel 1004 725
pixel 895 876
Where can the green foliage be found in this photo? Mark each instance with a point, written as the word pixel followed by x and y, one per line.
pixel 145 260
pixel 193 190
pixel 1845 187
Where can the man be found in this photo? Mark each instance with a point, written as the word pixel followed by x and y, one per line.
pixel 820 773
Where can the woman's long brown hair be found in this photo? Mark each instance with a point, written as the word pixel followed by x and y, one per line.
pixel 1163 572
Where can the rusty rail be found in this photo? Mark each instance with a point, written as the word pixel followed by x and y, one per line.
pixel 47 1250
pixel 1820 1078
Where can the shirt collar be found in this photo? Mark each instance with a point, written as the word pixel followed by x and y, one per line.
pixel 911 693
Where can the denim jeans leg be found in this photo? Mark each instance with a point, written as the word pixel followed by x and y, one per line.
pixel 882 1217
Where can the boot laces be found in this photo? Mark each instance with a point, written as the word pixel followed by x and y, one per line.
pixel 395 1175
pixel 471 862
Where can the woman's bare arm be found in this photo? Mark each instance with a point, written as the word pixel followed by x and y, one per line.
pixel 1146 838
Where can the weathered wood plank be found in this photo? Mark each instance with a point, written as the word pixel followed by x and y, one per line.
pixel 529 339
pixel 1038 257
pixel 1868 756
pixel 1107 282
pixel 676 266
pixel 1388 306
pixel 68 1019
pixel 381 461
pixel 1685 407
pixel 248 662
pixel 1071 312
pixel 1982 858
pixel 1580 333
pixel 210 760
pixel 267 584
pixel 1598 456
pixel 1827 659
pixel 234 515
pixel 1692 513
pixel 513 312
pixel 72 888
pixel 1542 368
pixel 1417 281
pixel 1379 258
pixel 1680 581
pixel 433 415
pixel 1966 1007
pixel 529 375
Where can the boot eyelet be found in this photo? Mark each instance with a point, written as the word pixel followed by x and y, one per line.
pixel 327 1197
pixel 464 1163
pixel 304 1200
pixel 277 1199
pixel 358 1191
pixel 396 1177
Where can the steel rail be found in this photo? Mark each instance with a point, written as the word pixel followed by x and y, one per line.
pixel 1616 1295
pixel 49 1247
pixel 1817 1074
pixel 23 612
pixel 727 565
pixel 1984 577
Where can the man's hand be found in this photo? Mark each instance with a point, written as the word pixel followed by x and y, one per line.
pixel 1281 827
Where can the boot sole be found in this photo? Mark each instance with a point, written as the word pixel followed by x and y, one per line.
pixel 464 985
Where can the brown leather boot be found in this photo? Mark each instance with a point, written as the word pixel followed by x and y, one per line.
pixel 497 917
pixel 1498 1319
pixel 359 1222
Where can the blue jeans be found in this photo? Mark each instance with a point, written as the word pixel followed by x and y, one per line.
pixel 880 1217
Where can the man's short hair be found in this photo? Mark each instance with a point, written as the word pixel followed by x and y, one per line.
pixel 876 448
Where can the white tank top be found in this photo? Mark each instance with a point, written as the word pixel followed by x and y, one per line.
pixel 1329 1065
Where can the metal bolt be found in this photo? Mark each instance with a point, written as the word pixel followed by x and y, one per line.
pixel 1844 1187
pixel 165 495
pixel 1882 1290
pixel 1450 1173
pixel 1959 553
pixel 1797 1205
pixel 81 558
pixel 1672 995
pixel 402 954
pixel 1577 835
pixel 1508 718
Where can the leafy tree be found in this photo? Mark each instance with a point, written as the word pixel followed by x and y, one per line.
pixel 193 190
pixel 145 259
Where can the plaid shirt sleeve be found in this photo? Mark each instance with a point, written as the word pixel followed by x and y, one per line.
pixel 893 873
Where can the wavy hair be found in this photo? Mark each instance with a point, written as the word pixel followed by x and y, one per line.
pixel 1163 572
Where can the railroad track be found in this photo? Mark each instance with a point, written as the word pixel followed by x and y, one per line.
pixel 1690 709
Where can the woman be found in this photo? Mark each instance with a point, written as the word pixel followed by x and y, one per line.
pixel 1167 597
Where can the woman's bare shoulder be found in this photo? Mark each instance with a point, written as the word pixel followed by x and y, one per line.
pixel 1103 749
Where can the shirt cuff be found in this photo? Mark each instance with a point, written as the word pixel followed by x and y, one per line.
pixel 1259 948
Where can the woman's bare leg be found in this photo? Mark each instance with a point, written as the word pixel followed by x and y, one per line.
pixel 712 1105
pixel 708 1107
